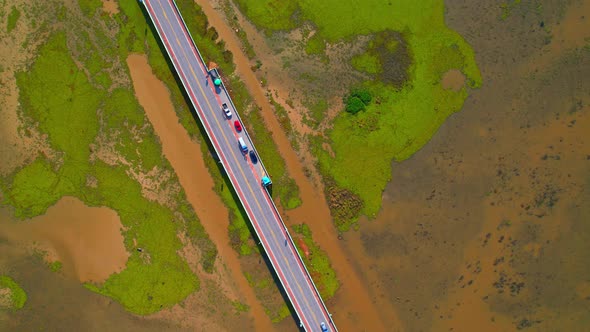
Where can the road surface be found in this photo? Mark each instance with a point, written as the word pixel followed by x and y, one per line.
pixel 243 174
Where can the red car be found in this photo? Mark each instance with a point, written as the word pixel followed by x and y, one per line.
pixel 238 126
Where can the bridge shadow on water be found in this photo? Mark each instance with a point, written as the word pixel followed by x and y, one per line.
pixel 226 182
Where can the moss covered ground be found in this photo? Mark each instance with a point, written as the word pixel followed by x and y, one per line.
pixel 18 297
pixel 411 103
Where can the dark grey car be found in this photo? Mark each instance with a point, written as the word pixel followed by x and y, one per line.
pixel 253 157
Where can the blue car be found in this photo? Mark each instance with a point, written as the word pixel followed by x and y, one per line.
pixel 324 327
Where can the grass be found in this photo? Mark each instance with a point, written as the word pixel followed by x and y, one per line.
pixel 18 296
pixel 229 12
pixel 13 17
pixel 55 266
pixel 89 7
pixel 317 263
pixel 283 117
pixel 315 45
pixel 410 103
pixel 317 111
pixel 240 307
pixel 31 191
pixel 281 314
pixel 266 292
pixel 270 14
pixel 368 63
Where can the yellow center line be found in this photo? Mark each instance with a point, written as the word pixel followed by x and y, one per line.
pixel 237 161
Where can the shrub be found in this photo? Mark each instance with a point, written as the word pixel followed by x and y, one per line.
pixel 354 105
pixel 363 95
pixel 357 100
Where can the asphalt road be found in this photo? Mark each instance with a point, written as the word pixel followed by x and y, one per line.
pixel 244 175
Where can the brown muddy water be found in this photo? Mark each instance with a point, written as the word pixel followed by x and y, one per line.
pixel 487 228
pixel 87 240
pixel 186 159
pixel 58 301
pixel 453 79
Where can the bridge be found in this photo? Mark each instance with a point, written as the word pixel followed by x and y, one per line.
pixel 207 95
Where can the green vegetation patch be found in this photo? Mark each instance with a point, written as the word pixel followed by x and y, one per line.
pixel 409 51
pixel 156 277
pixel 283 117
pixel 32 189
pixel 13 17
pixel 315 45
pixel 271 14
pixel 11 294
pixel 55 266
pixel 240 307
pixel 316 262
pixel 229 12
pixel 89 7
pixel 367 62
pixel 56 95
pixel 317 111
pixel 267 293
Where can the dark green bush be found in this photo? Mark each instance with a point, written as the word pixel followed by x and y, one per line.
pixel 354 105
pixel 363 95
pixel 357 100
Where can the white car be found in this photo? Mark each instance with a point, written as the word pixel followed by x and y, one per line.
pixel 226 110
pixel 324 327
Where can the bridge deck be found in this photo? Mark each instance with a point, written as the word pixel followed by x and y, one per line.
pixel 245 176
